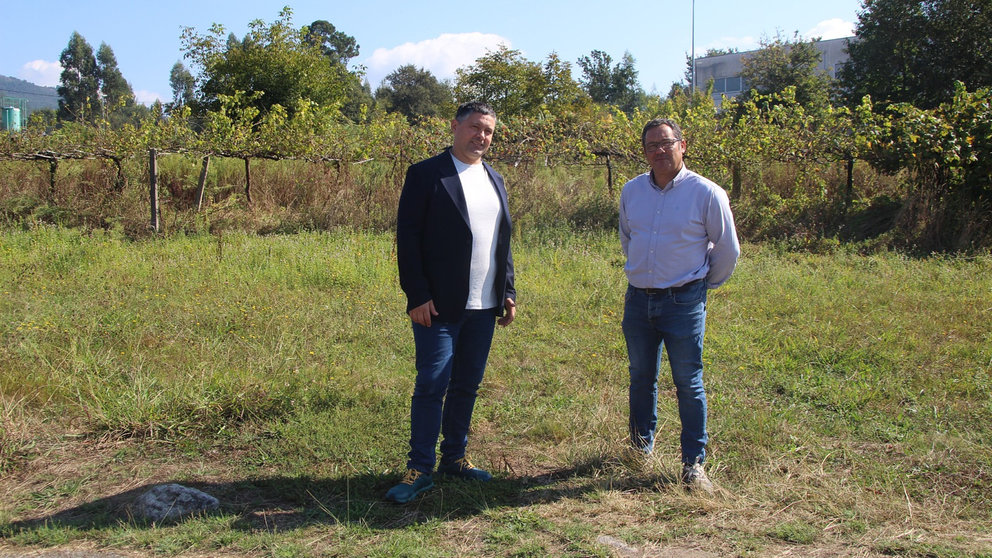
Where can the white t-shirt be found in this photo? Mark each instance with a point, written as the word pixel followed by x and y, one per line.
pixel 483 217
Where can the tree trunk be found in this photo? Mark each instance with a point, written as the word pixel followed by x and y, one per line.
pixel 120 182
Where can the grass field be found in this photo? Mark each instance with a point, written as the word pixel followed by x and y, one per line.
pixel 850 407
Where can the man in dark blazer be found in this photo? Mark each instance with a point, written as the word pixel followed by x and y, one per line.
pixel 456 269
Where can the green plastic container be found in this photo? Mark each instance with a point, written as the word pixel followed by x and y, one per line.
pixel 11 119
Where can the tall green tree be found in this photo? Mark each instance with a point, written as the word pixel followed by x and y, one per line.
pixel 183 86
pixel 415 93
pixel 358 98
pixel 914 50
pixel 274 63
pixel 506 80
pixel 781 63
pixel 119 104
pixel 79 86
pixel 611 84
pixel 340 48
pixel 115 90
pixel 562 93
pixel 336 45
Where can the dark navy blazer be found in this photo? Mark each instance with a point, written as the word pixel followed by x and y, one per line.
pixel 434 239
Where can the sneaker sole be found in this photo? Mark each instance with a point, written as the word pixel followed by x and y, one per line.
pixel 412 495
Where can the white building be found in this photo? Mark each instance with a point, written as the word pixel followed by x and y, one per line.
pixel 725 69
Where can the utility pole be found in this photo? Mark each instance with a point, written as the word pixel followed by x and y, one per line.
pixel 692 17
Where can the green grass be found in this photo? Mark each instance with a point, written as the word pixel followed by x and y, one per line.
pixel 849 402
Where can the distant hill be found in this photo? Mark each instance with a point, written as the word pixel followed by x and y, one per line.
pixel 38 97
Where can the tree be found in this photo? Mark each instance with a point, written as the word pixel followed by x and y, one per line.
pixel 42 119
pixel 333 43
pixel 275 61
pixel 233 41
pixel 946 151
pixel 116 94
pixel 914 50
pixel 114 88
pixel 340 48
pixel 92 88
pixel 611 84
pixel 415 93
pixel 514 85
pixel 183 86
pixel 562 92
pixel 358 98
pixel 79 86
pixel 511 84
pixel 782 63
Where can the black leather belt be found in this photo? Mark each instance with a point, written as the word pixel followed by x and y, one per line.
pixel 670 290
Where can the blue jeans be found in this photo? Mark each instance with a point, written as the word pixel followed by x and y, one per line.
pixel 451 359
pixel 674 319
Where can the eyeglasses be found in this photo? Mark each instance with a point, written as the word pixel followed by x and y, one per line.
pixel 667 145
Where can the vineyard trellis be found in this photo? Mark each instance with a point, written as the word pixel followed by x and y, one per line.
pixel 950 145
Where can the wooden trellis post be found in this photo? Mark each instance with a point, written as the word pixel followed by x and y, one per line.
pixel 153 188
pixel 849 188
pixel 248 180
pixel 203 182
pixel 53 167
pixel 609 175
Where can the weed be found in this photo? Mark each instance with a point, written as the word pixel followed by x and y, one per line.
pixel 794 532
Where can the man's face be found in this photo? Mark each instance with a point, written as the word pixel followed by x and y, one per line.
pixel 472 136
pixel 663 152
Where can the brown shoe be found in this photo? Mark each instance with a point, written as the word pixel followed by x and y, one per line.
pixel 695 480
pixel 463 468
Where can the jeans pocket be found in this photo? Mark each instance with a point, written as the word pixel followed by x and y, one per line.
pixel 694 295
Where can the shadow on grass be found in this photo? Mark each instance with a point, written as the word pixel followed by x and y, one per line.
pixel 286 503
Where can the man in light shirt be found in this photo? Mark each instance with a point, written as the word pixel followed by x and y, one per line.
pixel 456 269
pixel 677 233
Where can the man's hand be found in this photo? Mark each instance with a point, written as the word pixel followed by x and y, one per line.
pixel 422 314
pixel 511 313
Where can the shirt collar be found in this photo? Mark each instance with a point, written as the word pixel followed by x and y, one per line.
pixel 672 184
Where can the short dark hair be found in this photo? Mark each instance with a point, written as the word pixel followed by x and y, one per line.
pixel 466 109
pixel 659 122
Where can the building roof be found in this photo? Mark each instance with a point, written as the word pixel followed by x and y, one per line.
pixel 725 69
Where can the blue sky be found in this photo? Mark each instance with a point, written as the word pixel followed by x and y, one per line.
pixel 145 35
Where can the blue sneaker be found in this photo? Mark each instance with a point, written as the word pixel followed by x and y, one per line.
pixel 462 468
pixel 414 482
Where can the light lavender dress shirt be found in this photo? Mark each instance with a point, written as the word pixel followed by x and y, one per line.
pixel 677 233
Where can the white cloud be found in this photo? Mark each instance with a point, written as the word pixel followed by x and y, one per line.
pixel 835 28
pixel 147 98
pixel 41 72
pixel 442 55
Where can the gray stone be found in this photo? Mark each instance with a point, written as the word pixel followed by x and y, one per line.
pixel 622 548
pixel 173 501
